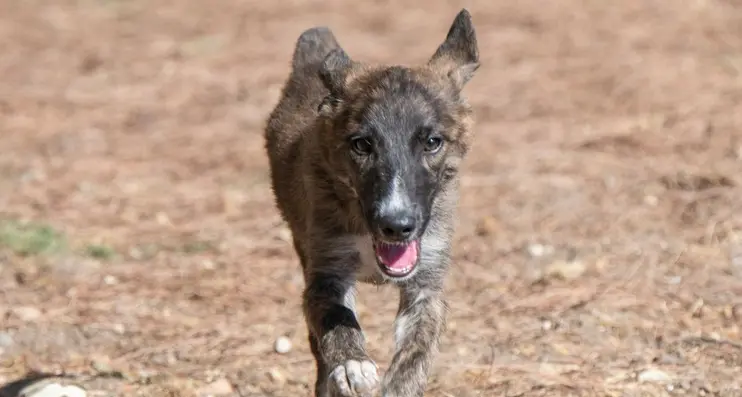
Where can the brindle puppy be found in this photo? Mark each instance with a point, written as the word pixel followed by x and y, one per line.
pixel 364 164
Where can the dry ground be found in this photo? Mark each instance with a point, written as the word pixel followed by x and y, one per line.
pixel 600 242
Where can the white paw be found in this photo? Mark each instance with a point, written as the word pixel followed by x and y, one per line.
pixel 354 378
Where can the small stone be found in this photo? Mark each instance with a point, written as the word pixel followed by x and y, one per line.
pixel 220 387
pixel 282 345
pixel 653 375
pixel 728 312
pixel 110 280
pixel 601 265
pixel 276 376
pixel 674 280
pixel 566 270
pixel 651 200
pixel 163 219
pixel 697 308
pixel 119 328
pixel 102 365
pixel 284 234
pixel 537 250
pixel 54 390
pixel 136 253
pixel 487 226
pixel 208 264
pixel 145 375
pixel 27 313
pixel 547 325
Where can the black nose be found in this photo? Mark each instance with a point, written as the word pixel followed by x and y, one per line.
pixel 397 225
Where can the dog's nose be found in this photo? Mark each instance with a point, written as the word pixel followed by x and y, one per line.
pixel 397 225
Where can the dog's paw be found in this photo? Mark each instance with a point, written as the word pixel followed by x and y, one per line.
pixel 355 378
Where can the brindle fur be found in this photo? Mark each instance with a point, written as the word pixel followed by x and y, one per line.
pixel 321 195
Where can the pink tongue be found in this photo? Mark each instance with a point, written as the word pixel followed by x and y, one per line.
pixel 397 256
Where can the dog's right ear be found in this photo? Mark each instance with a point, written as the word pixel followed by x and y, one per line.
pixel 334 71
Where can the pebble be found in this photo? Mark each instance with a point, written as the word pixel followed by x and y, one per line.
pixel 163 219
pixel 102 365
pixel 55 390
pixel 220 387
pixel 276 376
pixel 208 264
pixel 653 375
pixel 674 280
pixel 487 226
pixel 538 250
pixel 651 200
pixel 119 328
pixel 566 270
pixel 27 313
pixel 284 234
pixel 282 345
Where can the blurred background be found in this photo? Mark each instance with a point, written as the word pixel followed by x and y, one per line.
pixel 599 248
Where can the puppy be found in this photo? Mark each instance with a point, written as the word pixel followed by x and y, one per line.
pixel 364 164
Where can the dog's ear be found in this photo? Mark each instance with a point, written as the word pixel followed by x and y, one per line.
pixel 458 56
pixel 334 71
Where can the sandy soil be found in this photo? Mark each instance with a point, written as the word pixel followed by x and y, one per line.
pixel 599 250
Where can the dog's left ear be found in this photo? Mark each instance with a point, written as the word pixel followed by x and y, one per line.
pixel 335 69
pixel 458 56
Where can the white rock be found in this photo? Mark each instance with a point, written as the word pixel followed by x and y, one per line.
pixel 27 313
pixel 674 280
pixel 208 264
pixel 282 345
pixel 276 376
pixel 653 375
pixel 56 390
pixel 220 387
pixel 537 250
pixel 284 234
pixel 566 270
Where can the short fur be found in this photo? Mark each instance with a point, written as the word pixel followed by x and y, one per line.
pixel 362 156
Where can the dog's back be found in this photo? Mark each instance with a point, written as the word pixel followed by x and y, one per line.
pixel 294 117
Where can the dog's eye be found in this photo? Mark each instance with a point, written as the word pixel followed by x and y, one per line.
pixel 361 146
pixel 433 144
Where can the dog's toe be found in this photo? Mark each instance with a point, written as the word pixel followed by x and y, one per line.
pixel 355 378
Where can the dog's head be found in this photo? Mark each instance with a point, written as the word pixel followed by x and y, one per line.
pixel 397 136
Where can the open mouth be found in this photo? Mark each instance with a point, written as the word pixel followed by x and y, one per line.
pixel 397 259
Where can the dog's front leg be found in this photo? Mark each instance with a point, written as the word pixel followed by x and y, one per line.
pixel 418 327
pixel 337 341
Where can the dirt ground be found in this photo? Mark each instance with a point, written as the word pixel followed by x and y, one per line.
pixel 599 248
